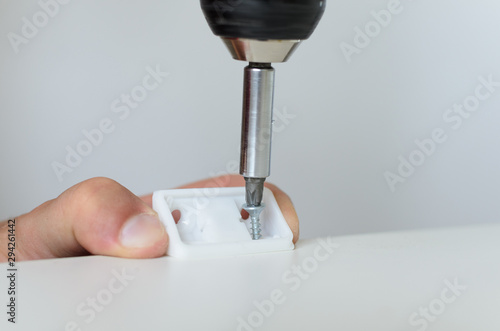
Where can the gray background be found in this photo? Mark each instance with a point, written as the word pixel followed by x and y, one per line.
pixel 351 120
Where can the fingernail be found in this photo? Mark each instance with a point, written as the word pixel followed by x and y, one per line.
pixel 141 231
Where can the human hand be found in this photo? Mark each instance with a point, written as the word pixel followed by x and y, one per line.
pixel 99 216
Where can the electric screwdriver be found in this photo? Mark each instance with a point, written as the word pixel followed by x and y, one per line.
pixel 260 32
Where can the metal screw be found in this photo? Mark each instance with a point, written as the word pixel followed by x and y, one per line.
pixel 254 212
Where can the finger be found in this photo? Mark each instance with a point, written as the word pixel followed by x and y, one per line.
pixel 98 216
pixel 287 209
pixel 283 200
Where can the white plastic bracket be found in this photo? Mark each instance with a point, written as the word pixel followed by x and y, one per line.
pixel 211 224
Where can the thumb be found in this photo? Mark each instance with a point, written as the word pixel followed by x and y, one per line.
pixel 97 216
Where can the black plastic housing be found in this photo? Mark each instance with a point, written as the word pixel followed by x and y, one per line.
pixel 263 19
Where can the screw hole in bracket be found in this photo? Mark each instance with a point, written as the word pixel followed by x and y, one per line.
pixel 244 214
pixel 176 214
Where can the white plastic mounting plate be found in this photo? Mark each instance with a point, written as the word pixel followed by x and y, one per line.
pixel 211 224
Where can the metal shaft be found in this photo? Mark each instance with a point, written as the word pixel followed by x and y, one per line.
pixel 256 134
pixel 256 126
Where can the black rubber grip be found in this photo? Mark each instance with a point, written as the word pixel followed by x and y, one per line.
pixel 263 19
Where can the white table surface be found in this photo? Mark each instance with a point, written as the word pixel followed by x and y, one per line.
pixel 362 282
